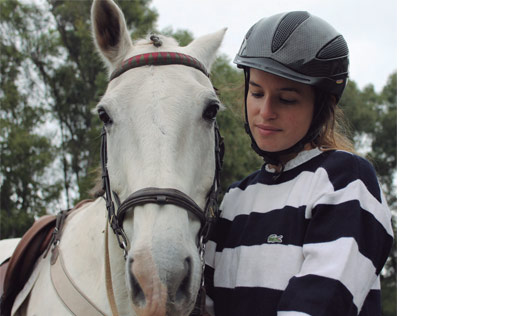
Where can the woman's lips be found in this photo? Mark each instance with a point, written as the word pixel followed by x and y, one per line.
pixel 267 130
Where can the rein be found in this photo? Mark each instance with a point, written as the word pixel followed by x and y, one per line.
pixel 160 196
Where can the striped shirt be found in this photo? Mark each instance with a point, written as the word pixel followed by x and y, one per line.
pixel 311 242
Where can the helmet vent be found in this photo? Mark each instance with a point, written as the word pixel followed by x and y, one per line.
pixel 335 48
pixel 287 25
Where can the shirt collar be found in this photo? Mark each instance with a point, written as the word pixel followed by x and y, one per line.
pixel 301 158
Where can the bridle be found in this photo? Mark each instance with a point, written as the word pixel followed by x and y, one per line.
pixel 70 294
pixel 162 196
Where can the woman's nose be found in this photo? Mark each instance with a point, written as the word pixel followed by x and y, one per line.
pixel 267 110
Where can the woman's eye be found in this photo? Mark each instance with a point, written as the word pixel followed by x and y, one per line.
pixel 210 111
pixel 104 117
pixel 256 94
pixel 288 101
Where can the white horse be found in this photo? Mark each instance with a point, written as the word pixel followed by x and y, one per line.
pixel 160 132
pixel 7 247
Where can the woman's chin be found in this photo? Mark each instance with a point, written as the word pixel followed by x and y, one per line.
pixel 270 148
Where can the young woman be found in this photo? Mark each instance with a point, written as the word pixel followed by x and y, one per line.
pixel 309 233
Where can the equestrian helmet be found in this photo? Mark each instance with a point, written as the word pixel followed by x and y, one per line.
pixel 298 46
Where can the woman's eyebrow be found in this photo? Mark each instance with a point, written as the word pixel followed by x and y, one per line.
pixel 252 83
pixel 292 89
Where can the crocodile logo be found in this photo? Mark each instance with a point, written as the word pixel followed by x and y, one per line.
pixel 275 239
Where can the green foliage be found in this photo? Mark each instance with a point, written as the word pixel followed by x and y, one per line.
pixel 24 156
pixel 78 82
pixel 240 160
pixel 372 118
pixel 141 20
pixel 384 154
pixel 358 107
pixel 25 153
pixel 384 146
pixel 183 37
pixel 51 80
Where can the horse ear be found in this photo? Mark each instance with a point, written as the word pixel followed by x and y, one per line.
pixel 110 32
pixel 204 48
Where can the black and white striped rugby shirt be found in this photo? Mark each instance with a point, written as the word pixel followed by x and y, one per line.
pixel 312 242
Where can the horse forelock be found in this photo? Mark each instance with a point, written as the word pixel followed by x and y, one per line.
pixel 168 42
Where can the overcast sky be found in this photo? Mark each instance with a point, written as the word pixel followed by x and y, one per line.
pixel 368 26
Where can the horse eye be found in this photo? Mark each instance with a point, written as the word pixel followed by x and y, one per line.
pixel 104 117
pixel 210 111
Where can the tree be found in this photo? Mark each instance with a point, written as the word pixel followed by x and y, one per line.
pixel 384 145
pixel 384 155
pixel 77 82
pixel 26 152
pixel 51 80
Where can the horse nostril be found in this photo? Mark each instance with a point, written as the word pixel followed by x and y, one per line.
pixel 137 295
pixel 183 290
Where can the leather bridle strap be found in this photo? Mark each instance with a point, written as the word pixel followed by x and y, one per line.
pixel 157 59
pixel 109 279
pixel 161 197
pixel 112 218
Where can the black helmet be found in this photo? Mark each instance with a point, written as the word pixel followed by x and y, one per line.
pixel 303 48
pixel 300 47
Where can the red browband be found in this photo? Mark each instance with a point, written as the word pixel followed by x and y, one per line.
pixel 158 59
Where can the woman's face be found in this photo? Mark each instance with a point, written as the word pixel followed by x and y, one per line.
pixel 279 110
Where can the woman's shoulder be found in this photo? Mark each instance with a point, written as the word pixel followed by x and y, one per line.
pixel 337 166
pixel 336 160
pixel 344 167
pixel 245 182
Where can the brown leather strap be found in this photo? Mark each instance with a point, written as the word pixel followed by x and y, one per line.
pixel 34 243
pixel 30 240
pixel 160 196
pixel 69 293
pixel 109 282
pixel 156 59
pixel 21 264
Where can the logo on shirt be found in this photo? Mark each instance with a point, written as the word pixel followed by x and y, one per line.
pixel 275 239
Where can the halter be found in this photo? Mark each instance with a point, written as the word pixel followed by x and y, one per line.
pixel 162 196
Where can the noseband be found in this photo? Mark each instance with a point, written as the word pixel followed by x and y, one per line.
pixel 161 196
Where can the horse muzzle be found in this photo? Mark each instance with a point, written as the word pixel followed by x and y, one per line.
pixel 168 291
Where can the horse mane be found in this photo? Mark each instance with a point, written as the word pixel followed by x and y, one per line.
pixel 98 188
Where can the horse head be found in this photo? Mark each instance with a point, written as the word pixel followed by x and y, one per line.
pixel 159 123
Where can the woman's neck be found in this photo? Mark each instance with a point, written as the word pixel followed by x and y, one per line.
pixel 285 158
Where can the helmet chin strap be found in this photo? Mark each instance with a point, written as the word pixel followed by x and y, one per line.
pixel 274 158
